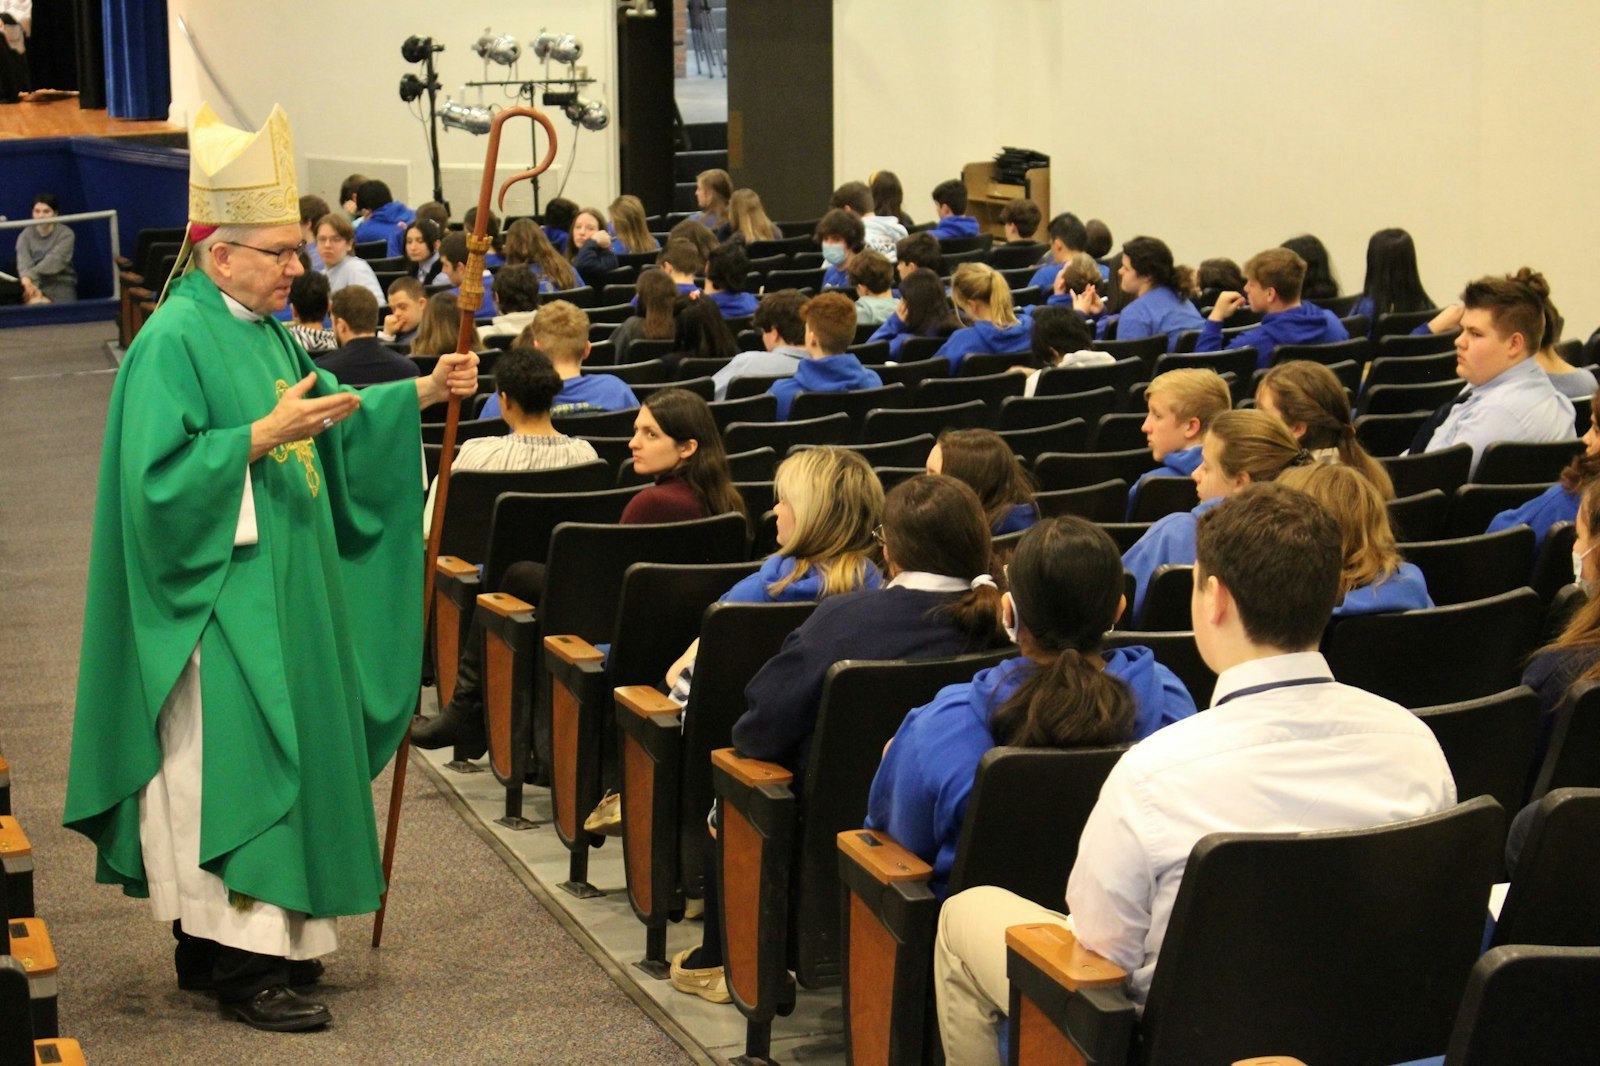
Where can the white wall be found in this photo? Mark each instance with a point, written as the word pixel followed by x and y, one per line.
pixel 342 99
pixel 1224 130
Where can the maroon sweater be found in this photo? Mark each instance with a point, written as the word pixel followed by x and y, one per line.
pixel 670 499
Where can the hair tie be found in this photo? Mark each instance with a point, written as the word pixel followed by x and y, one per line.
pixel 983 579
pixel 1302 458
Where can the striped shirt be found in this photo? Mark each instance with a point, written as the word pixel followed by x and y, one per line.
pixel 511 453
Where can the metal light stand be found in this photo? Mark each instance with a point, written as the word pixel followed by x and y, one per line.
pixel 528 90
pixel 433 131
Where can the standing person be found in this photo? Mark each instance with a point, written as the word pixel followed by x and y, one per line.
pixel 232 707
pixel 44 257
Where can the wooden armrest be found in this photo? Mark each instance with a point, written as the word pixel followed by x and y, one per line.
pixel 645 701
pixel 31 946
pixel 752 773
pixel 1057 954
pixel 450 566
pixel 879 855
pixel 58 1053
pixel 1271 1060
pixel 503 604
pixel 572 650
pixel 13 841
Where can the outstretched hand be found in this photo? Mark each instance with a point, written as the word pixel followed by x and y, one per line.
pixel 296 418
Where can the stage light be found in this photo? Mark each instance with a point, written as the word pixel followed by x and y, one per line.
pixel 543 43
pixel 590 114
pixel 568 49
pixel 416 49
pixel 499 48
pixel 411 87
pixel 468 119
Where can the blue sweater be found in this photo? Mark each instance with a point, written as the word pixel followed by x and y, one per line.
pixel 1305 324
pixel 1045 276
pixel 1177 464
pixel 1022 516
pixel 1404 590
pixel 833 373
pixel 592 262
pixel 833 277
pixel 755 588
pixel 920 793
pixel 955 227
pixel 1161 310
pixel 1169 540
pixel 735 304
pixel 1554 504
pixel 986 337
pixel 585 394
pixel 388 224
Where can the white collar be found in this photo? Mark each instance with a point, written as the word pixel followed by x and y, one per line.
pixel 1273 668
pixel 922 581
pixel 239 310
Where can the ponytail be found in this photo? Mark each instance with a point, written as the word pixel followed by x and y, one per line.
pixel 980 283
pixel 977 615
pixel 1069 702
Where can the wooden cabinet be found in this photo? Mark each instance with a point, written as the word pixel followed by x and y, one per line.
pixel 986 196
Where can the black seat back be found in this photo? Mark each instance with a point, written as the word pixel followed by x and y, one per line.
pixel 1166 601
pixel 1473 506
pixel 1160 496
pixel 1573 757
pixel 855 404
pixel 1104 502
pixel 1471 568
pixel 1445 470
pixel 597 424
pixel 1420 516
pixel 1519 1007
pixel 885 424
pixel 762 408
pixel 659 613
pixel 781 436
pixel 473 494
pixel 523 521
pixel 1555 888
pixel 1508 462
pixel 1028 444
pixel 1488 743
pixel 1064 470
pixel 992 389
pixel 1389 434
pixel 1022 412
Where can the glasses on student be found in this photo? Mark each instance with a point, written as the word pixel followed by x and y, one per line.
pixel 284 256
pixel 877 535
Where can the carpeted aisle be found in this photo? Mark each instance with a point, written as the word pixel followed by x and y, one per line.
pixel 473 968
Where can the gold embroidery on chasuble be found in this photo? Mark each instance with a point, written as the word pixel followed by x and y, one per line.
pixel 303 450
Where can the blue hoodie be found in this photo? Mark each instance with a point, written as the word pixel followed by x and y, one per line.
pixel 735 304
pixel 1404 590
pixel 1182 463
pixel 1305 324
pixel 388 223
pixel 833 277
pixel 986 337
pixel 954 227
pixel 754 589
pixel 1161 310
pixel 832 373
pixel 584 394
pixel 1169 540
pixel 1022 516
pixel 1554 504
pixel 920 793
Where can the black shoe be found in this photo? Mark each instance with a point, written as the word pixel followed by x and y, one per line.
pixel 456 726
pixel 305 972
pixel 198 982
pixel 278 1010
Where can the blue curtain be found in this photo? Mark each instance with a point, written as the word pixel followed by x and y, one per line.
pixel 138 72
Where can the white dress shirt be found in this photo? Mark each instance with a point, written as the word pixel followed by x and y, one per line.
pixel 1517 404
pixel 1287 759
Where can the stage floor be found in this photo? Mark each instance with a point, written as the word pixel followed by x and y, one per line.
pixel 61 117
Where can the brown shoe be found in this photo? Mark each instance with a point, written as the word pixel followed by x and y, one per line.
pixel 709 983
pixel 606 818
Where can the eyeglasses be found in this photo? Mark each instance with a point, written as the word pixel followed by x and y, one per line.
pixel 877 535
pixel 284 256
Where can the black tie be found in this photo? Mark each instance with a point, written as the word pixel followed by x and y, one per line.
pixel 1419 443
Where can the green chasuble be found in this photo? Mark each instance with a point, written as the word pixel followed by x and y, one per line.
pixel 310 640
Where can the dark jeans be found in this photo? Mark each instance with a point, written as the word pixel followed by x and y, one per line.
pixel 235 974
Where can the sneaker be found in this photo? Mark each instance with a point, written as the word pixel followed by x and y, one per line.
pixel 709 984
pixel 694 910
pixel 606 818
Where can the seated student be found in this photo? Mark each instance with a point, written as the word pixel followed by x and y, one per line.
pixel 699 333
pixel 312 208
pixel 1217 276
pixel 682 260
pixel 561 332
pixel 469 221
pixel 1180 406
pixel 590 250
pixel 516 294
pixel 308 299
pixel 1507 396
pixel 983 460
pixel 880 233
pixel 830 328
pixel 437 213
pixel 556 225
pixel 940 600
pixel 361 359
pixel 657 301
pixel 1558 503
pixel 747 219
pixel 526 245
pixel 950 205
pixel 383 218
pixel 1319 283
pixel 840 233
pixel 440 329
pixel 783 340
pixel 888 196
pixel 335 241
pixel 1020 220
pixel 1078 274
pixel 712 191
pixel 1060 338
pixel 922 311
pixel 1309 399
pixel 407 300
pixel 453 268
pixel 1284 748
pixel 422 251
pixel 526 387
pixel 1573 382
pixel 1149 275
pixel 705 242
pixel 1376 578
pixel 1240 448
pixel 918 251
pixel 1097 242
pixel 1393 283
pixel 873 277
pixel 630 232
pixel 980 293
pixel 727 269
pixel 1061 691
pixel 1067 237
pixel 1574 655
pixel 1272 287
pixel 347 194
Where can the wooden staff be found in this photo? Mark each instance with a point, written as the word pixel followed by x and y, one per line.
pixel 478 245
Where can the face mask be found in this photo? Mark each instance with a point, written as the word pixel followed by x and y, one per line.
pixel 1577 567
pixel 833 254
pixel 1008 617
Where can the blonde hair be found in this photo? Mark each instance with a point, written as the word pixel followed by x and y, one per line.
pixel 837 501
pixel 561 331
pixel 1254 443
pixel 629 218
pixel 748 218
pixel 981 283
pixel 527 244
pixel 1370 553
pixel 1192 393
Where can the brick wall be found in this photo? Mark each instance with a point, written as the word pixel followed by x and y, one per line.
pixel 680 37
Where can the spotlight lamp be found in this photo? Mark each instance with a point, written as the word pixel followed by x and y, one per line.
pixel 568 49
pixel 590 114
pixel 467 119
pixel 411 87
pixel 416 49
pixel 543 43
pixel 501 48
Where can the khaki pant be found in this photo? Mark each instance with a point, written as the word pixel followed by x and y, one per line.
pixel 969 969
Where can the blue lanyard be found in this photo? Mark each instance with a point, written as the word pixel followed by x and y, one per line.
pixel 1270 685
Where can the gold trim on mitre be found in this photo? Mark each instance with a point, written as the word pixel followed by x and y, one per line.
pixel 239 178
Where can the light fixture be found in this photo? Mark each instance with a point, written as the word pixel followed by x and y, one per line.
pixel 639 9
pixel 568 49
pixel 415 49
pixel 465 118
pixel 590 114
pixel 412 87
pixel 499 48
pixel 543 43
